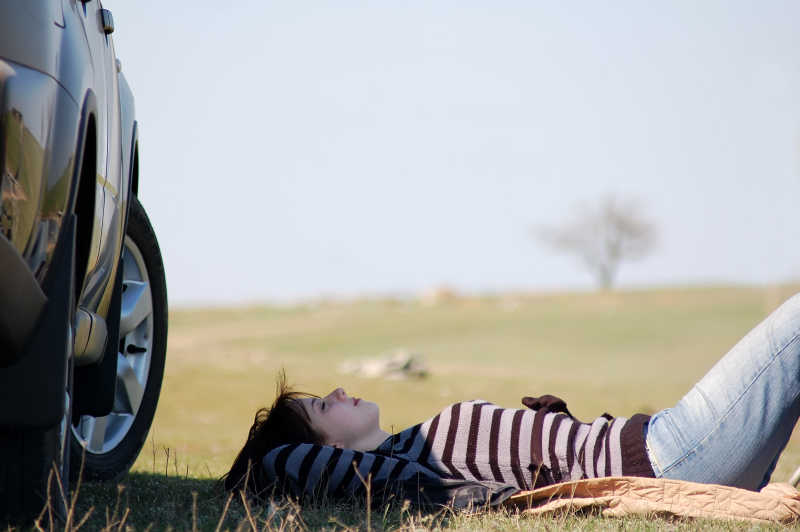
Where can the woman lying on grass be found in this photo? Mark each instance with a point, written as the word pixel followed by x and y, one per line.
pixel 729 429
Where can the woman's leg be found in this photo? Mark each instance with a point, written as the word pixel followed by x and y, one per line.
pixel 733 424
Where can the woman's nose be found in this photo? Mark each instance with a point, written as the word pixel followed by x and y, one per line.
pixel 338 394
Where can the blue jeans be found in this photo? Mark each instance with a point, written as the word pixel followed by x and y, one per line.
pixel 733 424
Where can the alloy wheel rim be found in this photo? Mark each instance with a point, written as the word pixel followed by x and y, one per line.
pixel 100 435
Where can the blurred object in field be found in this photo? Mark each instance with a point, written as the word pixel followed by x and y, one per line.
pixel 437 295
pixel 400 364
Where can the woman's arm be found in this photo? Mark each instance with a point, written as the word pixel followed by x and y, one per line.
pixel 314 470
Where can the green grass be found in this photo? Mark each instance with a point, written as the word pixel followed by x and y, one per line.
pixel 159 502
pixel 623 352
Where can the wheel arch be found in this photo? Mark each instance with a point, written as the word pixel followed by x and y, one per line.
pixel 82 200
pixel 95 383
pixel 135 165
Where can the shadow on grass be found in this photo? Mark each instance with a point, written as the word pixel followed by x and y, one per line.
pixel 155 501
pixel 151 501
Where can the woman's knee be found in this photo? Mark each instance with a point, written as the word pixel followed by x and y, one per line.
pixel 786 319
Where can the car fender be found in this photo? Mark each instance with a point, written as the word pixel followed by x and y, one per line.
pixel 38 182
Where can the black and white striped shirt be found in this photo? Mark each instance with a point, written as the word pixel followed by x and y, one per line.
pixel 474 441
pixel 477 440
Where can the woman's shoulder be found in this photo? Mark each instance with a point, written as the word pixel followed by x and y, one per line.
pixel 403 437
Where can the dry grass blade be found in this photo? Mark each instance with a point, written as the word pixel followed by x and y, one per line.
pixel 74 499
pixel 54 472
pixel 298 512
pixel 194 511
pixel 166 464
pixel 46 509
pixel 368 486
pixel 125 515
pixel 284 523
pixel 224 513
pixel 84 518
pixel 111 520
pixel 250 518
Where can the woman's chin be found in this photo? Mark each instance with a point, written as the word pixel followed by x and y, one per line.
pixel 371 408
pixel 368 405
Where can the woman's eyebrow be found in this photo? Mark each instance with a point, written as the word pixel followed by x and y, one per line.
pixel 314 402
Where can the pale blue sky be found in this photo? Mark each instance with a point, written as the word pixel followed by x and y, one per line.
pixel 294 150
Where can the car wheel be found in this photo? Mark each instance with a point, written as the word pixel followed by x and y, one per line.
pixel 106 447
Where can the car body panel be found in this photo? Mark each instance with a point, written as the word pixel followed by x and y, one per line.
pixel 28 106
pixel 38 132
pixel 31 33
pixel 58 65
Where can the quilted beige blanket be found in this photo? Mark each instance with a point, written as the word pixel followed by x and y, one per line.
pixel 618 496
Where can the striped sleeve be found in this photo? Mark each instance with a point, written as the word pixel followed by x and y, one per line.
pixel 312 469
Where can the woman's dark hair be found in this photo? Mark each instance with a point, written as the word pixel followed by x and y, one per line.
pixel 285 422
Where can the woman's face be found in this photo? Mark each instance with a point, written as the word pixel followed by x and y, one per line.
pixel 343 420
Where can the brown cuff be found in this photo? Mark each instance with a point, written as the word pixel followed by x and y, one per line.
pixel 635 462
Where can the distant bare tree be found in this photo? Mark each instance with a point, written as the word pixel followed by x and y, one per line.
pixel 603 236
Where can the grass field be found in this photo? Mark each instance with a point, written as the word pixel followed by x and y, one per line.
pixel 622 352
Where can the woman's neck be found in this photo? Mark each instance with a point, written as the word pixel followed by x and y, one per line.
pixel 371 441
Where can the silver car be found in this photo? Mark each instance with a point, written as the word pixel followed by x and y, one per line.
pixel 83 301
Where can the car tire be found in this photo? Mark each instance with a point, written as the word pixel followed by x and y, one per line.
pixel 104 448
